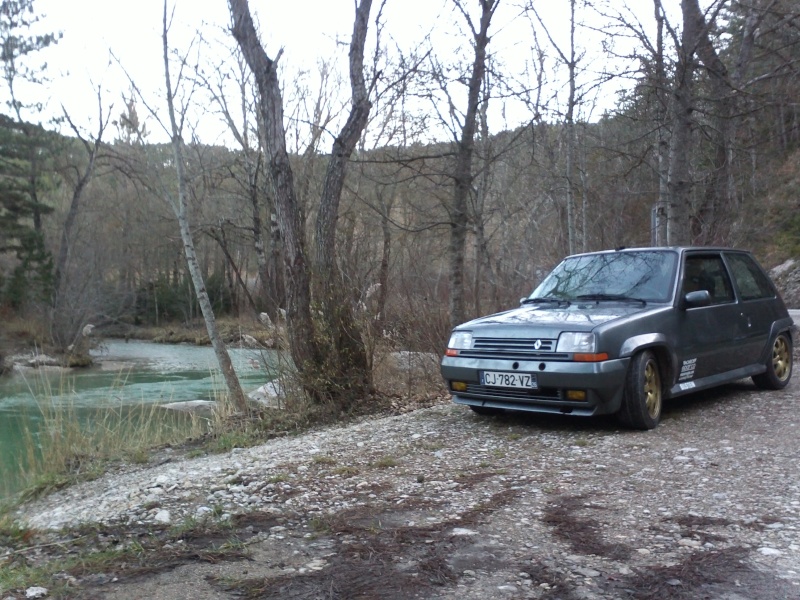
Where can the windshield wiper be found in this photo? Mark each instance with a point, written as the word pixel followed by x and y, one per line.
pixel 610 298
pixel 544 300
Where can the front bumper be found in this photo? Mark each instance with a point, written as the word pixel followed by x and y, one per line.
pixel 603 383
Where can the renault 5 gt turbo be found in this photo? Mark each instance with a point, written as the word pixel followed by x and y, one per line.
pixel 621 331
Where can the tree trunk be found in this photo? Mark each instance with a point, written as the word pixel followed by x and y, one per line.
pixel 680 182
pixel 66 329
pixel 341 371
pixel 571 138
pixel 351 371
pixel 483 264
pixel 181 208
pixel 462 175
pixel 302 340
pixel 660 98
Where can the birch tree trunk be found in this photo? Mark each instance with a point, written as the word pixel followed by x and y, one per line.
pixel 181 208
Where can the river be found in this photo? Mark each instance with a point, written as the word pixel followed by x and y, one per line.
pixel 126 376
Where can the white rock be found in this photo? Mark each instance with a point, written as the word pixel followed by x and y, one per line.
pixel 770 551
pixel 271 394
pixel 163 516
pixel 192 406
pixel 586 572
pixel 202 512
pixel 36 592
pixel 317 565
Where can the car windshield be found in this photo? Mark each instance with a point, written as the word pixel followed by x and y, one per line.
pixel 612 276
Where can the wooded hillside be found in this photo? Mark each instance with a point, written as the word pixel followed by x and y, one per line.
pixel 702 148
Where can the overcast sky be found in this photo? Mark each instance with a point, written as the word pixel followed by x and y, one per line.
pixel 307 30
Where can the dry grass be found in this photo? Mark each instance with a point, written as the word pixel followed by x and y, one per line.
pixel 76 443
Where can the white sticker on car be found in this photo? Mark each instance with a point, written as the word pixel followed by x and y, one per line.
pixel 687 369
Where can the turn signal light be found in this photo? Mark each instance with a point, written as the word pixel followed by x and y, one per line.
pixel 590 357
pixel 451 352
pixel 458 386
pixel 577 395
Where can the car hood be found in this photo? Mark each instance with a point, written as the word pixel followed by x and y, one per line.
pixel 545 320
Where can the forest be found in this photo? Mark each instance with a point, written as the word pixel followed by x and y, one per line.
pixel 385 197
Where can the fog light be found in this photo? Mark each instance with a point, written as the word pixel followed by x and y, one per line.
pixel 577 395
pixel 458 386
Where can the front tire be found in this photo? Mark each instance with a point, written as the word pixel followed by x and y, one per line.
pixel 779 365
pixel 643 395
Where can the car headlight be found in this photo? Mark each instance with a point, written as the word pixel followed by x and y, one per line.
pixel 576 341
pixel 460 340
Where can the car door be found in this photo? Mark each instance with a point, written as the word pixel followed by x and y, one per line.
pixel 756 303
pixel 708 336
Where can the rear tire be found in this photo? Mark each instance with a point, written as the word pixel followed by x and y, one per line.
pixel 779 365
pixel 643 395
pixel 487 411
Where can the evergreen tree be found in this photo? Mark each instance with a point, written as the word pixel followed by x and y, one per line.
pixel 25 265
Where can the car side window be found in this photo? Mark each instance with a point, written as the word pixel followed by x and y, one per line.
pixel 750 280
pixel 708 273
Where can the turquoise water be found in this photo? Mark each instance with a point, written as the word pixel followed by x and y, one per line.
pixel 126 377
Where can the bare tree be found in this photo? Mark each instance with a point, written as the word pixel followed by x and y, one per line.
pixel 571 59
pixel 239 120
pixel 180 206
pixel 462 173
pixel 330 355
pixel 64 330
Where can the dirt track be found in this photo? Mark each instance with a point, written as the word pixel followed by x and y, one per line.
pixel 441 503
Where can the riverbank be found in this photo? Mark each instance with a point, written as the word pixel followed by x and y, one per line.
pixel 440 503
pixel 24 346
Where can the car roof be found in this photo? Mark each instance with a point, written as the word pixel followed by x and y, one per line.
pixel 678 249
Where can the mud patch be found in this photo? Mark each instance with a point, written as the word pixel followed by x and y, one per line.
pixel 724 574
pixel 372 556
pixel 563 514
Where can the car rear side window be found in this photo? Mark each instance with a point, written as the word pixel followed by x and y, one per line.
pixel 708 273
pixel 750 279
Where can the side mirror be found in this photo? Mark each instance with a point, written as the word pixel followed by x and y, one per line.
pixel 522 300
pixel 697 299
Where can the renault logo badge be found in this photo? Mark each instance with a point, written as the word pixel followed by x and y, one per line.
pixel 537 344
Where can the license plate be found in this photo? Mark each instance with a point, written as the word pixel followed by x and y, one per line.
pixel 509 380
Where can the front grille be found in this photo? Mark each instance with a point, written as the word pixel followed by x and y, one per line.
pixel 513 348
pixel 514 344
pixel 474 389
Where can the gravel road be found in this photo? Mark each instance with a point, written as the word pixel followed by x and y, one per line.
pixel 442 503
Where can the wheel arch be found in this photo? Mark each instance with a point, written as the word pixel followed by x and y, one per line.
pixel 657 344
pixel 778 327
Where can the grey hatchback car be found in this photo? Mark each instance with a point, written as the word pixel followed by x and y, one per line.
pixel 620 331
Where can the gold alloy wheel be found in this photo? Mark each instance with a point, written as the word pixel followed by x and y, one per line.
pixel 781 358
pixel 652 389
